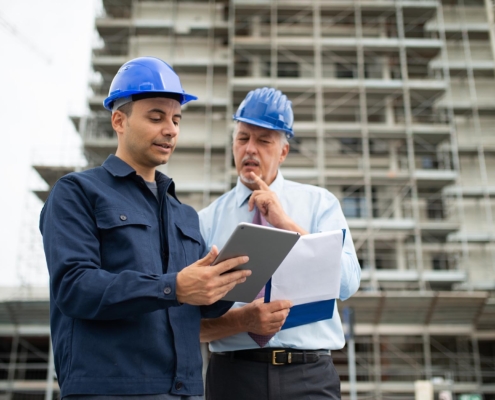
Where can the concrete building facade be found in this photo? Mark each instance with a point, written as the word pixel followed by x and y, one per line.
pixel 394 105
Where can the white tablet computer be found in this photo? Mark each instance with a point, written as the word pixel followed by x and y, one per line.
pixel 266 248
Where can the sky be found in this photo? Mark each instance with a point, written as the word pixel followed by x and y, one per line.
pixel 45 65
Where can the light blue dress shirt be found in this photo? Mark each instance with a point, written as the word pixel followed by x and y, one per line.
pixel 313 209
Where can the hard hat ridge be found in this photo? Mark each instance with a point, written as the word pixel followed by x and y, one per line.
pixel 145 75
pixel 268 108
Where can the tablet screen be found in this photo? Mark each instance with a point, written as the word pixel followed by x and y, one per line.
pixel 266 248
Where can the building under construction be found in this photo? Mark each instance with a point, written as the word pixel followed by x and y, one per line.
pixel 394 104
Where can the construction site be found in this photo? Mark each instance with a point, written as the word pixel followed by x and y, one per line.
pixel 394 106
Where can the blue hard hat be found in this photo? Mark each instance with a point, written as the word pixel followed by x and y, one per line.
pixel 268 108
pixel 145 75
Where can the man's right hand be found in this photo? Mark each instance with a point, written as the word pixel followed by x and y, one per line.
pixel 256 317
pixel 202 284
pixel 263 318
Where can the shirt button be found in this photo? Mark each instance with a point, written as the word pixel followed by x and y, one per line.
pixel 167 290
pixel 178 386
pixel 123 217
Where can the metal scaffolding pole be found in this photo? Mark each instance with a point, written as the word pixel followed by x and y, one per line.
pixel 452 126
pixel 363 108
pixel 410 144
pixel 209 105
pixel 12 366
pixel 477 127
pixel 274 43
pixel 320 118
pixel 50 375
pixel 229 109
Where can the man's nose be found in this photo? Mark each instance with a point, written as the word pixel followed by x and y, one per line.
pixel 170 129
pixel 251 146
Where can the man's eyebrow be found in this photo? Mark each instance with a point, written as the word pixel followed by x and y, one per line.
pixel 158 110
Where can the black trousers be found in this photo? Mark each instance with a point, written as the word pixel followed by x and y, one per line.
pixel 233 379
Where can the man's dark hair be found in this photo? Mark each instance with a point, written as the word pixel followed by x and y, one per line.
pixel 127 108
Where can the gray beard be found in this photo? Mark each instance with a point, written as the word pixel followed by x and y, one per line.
pixel 247 180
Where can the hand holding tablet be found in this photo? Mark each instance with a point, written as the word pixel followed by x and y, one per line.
pixel 266 248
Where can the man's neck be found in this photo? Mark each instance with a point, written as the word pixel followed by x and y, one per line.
pixel 148 174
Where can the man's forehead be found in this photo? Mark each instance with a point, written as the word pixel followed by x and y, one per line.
pixel 159 103
pixel 248 129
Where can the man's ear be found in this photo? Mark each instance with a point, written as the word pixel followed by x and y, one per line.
pixel 285 151
pixel 118 121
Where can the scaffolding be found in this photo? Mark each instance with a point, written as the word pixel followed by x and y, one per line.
pixel 394 114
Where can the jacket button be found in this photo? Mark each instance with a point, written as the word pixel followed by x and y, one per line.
pixel 178 386
pixel 167 290
pixel 123 217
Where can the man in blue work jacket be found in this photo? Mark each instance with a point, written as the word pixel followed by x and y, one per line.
pixel 127 291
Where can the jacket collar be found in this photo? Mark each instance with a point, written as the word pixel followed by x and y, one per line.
pixel 117 167
pixel 120 169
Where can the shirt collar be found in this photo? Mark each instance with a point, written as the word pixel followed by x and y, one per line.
pixel 242 192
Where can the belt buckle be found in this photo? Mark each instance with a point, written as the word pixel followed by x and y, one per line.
pixel 274 357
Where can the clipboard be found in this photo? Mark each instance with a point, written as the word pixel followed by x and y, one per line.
pixel 308 313
pixel 266 248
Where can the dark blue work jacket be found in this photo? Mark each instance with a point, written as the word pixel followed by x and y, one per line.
pixel 113 252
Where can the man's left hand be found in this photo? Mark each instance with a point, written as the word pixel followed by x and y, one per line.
pixel 270 207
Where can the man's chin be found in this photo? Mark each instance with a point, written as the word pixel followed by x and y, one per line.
pixel 246 180
pixel 164 160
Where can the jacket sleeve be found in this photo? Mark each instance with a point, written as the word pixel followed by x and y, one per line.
pixel 80 287
pixel 216 310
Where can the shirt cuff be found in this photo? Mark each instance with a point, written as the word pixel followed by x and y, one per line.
pixel 167 287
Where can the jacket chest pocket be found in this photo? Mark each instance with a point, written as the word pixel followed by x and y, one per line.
pixel 125 240
pixel 190 243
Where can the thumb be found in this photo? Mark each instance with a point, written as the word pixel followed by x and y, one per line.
pixel 210 257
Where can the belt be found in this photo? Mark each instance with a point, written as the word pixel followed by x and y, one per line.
pixel 277 356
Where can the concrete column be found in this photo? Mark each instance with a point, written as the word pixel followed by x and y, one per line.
pixel 383 27
pixel 397 205
pixel 423 390
pixel 255 66
pixel 400 255
pixel 377 367
pixel 389 111
pixel 385 68
pixel 50 376
pixel 393 165
pixel 427 355
pixel 12 367
pixel 256 26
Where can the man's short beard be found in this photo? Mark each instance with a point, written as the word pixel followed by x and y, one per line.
pixel 247 180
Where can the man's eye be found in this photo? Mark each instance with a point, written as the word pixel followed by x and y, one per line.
pixel 155 119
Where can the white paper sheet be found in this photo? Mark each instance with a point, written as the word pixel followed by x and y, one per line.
pixel 311 271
